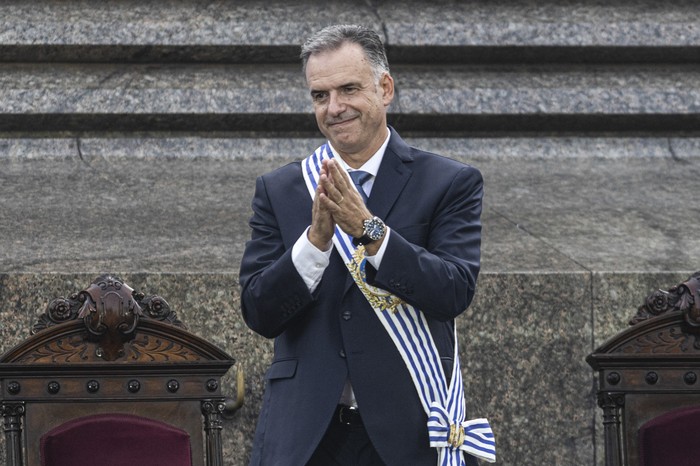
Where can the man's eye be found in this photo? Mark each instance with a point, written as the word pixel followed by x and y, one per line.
pixel 318 97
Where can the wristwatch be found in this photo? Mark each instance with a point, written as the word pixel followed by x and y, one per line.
pixel 374 230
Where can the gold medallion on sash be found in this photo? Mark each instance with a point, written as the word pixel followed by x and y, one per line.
pixel 379 299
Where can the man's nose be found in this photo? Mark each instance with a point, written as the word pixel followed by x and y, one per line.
pixel 336 105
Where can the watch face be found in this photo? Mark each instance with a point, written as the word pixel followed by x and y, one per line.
pixel 374 228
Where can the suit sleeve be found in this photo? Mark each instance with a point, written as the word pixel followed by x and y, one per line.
pixel 440 276
pixel 272 291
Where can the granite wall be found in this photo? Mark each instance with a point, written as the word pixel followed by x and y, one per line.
pixel 523 343
pixel 131 133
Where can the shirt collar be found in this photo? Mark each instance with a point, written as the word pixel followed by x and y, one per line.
pixel 370 166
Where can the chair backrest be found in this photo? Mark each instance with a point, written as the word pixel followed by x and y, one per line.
pixel 671 439
pixel 110 371
pixel 648 383
pixel 115 440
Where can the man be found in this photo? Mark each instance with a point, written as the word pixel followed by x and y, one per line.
pixel 353 293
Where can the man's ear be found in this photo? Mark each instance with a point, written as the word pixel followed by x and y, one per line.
pixel 386 82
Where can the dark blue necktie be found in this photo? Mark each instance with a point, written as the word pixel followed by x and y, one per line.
pixel 360 177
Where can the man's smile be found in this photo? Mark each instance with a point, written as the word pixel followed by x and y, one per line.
pixel 341 121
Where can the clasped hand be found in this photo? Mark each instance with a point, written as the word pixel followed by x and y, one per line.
pixel 336 202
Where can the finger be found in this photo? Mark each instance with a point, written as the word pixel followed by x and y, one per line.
pixel 322 224
pixel 334 193
pixel 340 177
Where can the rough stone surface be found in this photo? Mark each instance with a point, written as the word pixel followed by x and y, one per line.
pixel 437 99
pixel 524 370
pixel 131 133
pixel 577 231
pixel 182 204
pixel 444 22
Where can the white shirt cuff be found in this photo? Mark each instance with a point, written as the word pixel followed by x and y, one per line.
pixel 310 261
pixel 376 259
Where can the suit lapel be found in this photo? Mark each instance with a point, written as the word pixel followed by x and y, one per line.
pixel 394 172
pixel 391 179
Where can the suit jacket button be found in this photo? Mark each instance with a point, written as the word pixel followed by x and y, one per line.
pixel 347 315
pixel 342 353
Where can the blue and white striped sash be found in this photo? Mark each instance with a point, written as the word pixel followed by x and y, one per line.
pixel 448 431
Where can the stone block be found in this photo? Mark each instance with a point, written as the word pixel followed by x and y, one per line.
pixel 526 377
pixel 435 100
pixel 415 30
pixel 178 204
pixel 524 340
pixel 174 31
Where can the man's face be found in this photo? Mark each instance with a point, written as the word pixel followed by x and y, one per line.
pixel 349 104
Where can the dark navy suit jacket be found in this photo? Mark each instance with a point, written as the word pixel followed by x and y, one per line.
pixel 432 205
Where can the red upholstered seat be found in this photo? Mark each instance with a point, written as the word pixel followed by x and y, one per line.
pixel 672 439
pixel 115 440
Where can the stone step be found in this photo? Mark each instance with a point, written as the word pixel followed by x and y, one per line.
pixel 442 99
pixel 415 31
pixel 551 205
pixel 524 336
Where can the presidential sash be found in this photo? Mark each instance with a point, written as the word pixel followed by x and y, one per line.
pixel 443 403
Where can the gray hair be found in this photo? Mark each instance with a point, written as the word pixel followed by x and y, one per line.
pixel 333 37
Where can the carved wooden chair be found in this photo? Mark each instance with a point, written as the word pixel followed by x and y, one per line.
pixel 648 382
pixel 111 377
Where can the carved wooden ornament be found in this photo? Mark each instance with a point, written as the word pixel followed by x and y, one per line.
pixel 109 321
